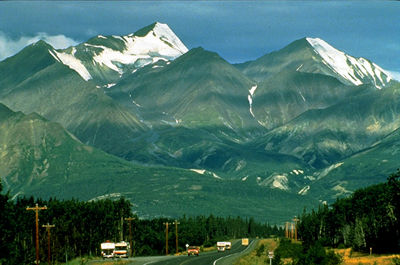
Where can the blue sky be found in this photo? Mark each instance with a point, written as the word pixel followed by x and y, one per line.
pixel 237 30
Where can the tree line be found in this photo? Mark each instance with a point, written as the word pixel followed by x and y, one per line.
pixel 368 220
pixel 81 226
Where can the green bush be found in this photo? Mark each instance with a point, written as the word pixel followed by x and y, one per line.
pixel 314 254
pixel 317 255
pixel 260 250
pixel 287 249
pixel 396 261
pixel 332 258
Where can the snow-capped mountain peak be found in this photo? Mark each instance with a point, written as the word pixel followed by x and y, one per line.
pixel 160 40
pixel 165 33
pixel 106 58
pixel 356 71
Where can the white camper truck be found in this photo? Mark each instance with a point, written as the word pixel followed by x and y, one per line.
pixel 121 249
pixel 107 250
pixel 221 246
pixel 228 245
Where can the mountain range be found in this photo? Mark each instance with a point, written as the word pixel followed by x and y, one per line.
pixel 184 131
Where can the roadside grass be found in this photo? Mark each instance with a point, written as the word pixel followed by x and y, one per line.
pixel 357 258
pixel 260 253
pixel 260 256
pixel 95 260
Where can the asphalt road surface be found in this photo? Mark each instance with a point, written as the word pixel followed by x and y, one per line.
pixel 206 258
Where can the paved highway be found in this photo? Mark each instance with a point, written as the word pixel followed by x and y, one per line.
pixel 206 258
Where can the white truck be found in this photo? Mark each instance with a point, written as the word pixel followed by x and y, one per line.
pixel 121 249
pixel 107 250
pixel 228 245
pixel 221 246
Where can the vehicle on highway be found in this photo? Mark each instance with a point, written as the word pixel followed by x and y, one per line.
pixel 193 250
pixel 107 250
pixel 245 241
pixel 228 245
pixel 121 249
pixel 221 246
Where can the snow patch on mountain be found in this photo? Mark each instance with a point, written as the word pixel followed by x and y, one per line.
pixel 298 68
pixel 312 178
pixel 302 96
pixel 304 190
pixel 250 99
pixel 340 189
pixel 297 171
pixel 166 34
pixel 354 70
pixel 252 90
pixel 325 172
pixel 107 196
pixel 216 176
pixel 277 181
pixel 280 182
pixel 198 171
pixel 203 172
pixel 72 62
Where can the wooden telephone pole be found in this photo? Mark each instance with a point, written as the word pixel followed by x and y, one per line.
pixel 166 237
pixel 291 231
pixel 176 223
pixel 48 240
pixel 37 209
pixel 130 219
pixel 287 229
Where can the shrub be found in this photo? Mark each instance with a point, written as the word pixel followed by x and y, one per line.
pixel 396 261
pixel 260 250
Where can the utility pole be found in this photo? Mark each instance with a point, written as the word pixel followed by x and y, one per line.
pixel 295 220
pixel 121 233
pixel 130 219
pixel 287 229
pixel 166 237
pixel 176 223
pixel 37 209
pixel 48 240
pixel 291 230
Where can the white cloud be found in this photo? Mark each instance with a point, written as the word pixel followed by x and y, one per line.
pixel 9 46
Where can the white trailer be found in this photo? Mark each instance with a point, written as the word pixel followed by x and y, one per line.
pixel 121 249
